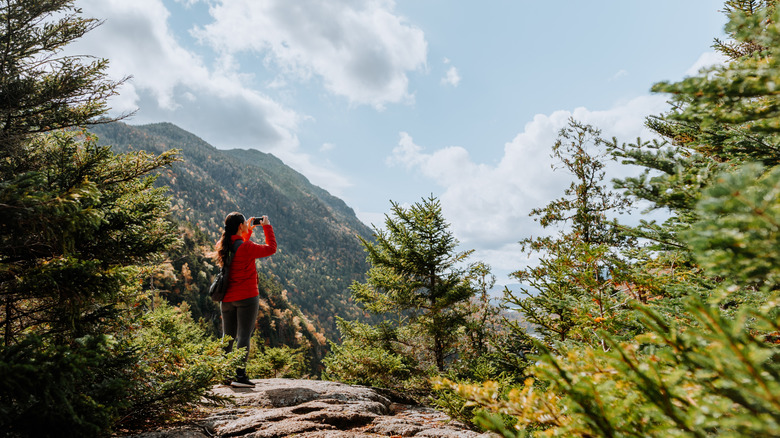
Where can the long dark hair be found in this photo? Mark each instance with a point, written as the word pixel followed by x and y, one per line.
pixel 232 221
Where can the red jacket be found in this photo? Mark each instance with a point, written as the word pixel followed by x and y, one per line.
pixel 242 283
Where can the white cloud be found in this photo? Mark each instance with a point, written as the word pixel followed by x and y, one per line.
pixel 326 147
pixel 362 50
pixel 170 83
pixel 451 78
pixel 488 205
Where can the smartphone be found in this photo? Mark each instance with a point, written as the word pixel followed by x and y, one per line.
pixel 257 220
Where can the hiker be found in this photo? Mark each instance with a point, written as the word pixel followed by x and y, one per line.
pixel 240 305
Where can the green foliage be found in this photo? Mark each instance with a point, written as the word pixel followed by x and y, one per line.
pixel 486 351
pixel 473 371
pixel 739 97
pixel 178 362
pixel 56 390
pixel 706 363
pixel 719 377
pixel 185 275
pixel 737 236
pixel 586 202
pixel 580 298
pixel 709 130
pixel 148 371
pixel 735 48
pixel 416 276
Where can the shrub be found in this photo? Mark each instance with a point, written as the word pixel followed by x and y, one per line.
pixel 278 362
pixel 370 355
pixel 178 363
pixel 63 390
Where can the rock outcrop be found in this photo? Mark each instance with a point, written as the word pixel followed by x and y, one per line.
pixel 278 408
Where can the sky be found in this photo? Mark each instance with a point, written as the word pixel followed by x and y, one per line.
pixel 381 100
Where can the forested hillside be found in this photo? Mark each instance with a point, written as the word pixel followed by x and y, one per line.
pixel 319 253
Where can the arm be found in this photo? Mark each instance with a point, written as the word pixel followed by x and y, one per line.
pixel 257 250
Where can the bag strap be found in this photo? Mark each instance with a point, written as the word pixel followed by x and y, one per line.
pixel 234 248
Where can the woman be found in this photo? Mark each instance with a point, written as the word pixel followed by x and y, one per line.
pixel 240 305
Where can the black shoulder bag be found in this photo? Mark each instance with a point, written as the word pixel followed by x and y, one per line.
pixel 218 288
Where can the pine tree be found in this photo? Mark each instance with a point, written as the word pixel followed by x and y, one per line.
pixel 74 233
pixel 77 224
pixel 587 201
pixel 417 273
pixel 69 231
pixel 576 282
pixel 719 120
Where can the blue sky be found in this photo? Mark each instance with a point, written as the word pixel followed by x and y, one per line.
pixel 380 100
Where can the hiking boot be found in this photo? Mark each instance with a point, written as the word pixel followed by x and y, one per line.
pixel 242 382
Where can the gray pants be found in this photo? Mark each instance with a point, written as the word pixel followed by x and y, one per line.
pixel 238 321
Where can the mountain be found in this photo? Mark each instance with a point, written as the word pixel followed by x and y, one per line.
pixel 319 254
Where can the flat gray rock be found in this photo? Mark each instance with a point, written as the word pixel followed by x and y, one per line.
pixel 277 408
